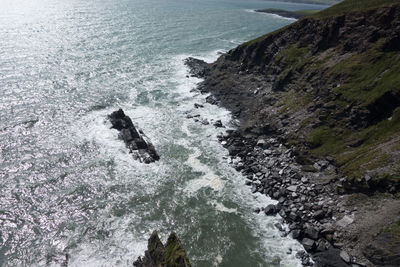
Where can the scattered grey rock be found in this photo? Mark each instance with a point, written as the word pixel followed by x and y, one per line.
pixel 308 244
pixel 345 221
pixel 270 210
pixel 292 188
pixel 345 256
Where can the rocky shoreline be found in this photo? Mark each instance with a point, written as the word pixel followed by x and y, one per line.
pixel 301 134
pixel 305 193
pixel 286 13
pixel 305 201
pixel 311 195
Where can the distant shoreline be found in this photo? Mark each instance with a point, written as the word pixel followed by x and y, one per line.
pixel 313 2
pixel 288 14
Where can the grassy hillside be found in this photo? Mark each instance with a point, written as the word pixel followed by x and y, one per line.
pixel 341 73
pixel 290 14
pixel 353 5
pixel 321 2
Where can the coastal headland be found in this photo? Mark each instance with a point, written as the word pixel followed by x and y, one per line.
pixel 319 108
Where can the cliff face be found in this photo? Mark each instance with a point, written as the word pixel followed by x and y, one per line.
pixel 330 84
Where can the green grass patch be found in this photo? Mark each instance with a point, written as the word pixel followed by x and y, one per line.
pixel 294 56
pixel 356 198
pixel 291 14
pixel 368 76
pixel 293 101
pixel 393 230
pixel 354 161
pixel 352 5
pixel 174 253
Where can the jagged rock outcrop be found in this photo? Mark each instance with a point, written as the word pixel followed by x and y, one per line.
pixel 197 67
pixel 136 141
pixel 158 255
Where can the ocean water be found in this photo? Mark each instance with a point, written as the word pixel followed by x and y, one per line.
pixel 67 184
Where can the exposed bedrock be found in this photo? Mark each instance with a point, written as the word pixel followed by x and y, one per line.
pixel 136 141
pixel 319 109
pixel 198 68
pixel 158 255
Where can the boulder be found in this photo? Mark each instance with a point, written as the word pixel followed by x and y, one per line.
pixel 270 210
pixel 345 256
pixel 329 258
pixel 312 233
pixel 138 144
pixel 218 124
pixel 308 244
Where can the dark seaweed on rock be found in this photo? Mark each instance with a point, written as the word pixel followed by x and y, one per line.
pixel 140 148
pixel 158 255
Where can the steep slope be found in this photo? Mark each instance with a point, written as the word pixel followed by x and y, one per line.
pixel 328 86
pixel 335 81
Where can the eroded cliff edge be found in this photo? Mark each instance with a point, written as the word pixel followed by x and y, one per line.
pixel 328 87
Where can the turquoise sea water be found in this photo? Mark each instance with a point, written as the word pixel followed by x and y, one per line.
pixel 68 185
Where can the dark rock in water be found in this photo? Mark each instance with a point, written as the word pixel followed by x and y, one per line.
pixel 211 100
pixel 329 258
pixel 270 210
pixel 218 124
pixel 137 142
pixel 308 244
pixel 197 68
pixel 158 255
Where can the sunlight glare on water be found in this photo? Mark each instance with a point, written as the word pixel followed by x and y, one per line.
pixel 70 187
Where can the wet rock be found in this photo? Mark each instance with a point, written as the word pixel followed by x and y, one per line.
pixel 218 124
pixel 205 122
pixel 329 258
pixel 172 254
pixel 197 68
pixel 296 234
pixel 139 145
pixel 270 210
pixel 312 233
pixel 308 244
pixel 211 100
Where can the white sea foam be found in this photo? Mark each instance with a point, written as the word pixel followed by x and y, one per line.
pixel 220 207
pixel 208 177
pixel 262 226
pixel 270 14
